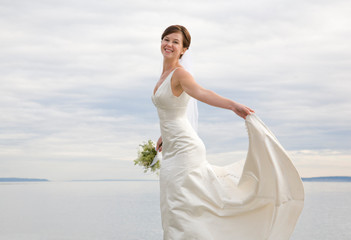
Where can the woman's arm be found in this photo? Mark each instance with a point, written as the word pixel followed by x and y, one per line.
pixel 185 82
pixel 159 145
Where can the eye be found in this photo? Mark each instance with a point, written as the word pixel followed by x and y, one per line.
pixel 176 42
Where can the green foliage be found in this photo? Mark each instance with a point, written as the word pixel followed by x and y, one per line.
pixel 146 155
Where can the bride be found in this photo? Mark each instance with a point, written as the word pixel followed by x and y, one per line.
pixel 259 199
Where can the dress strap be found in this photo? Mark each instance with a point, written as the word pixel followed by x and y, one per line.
pixel 175 69
pixel 171 74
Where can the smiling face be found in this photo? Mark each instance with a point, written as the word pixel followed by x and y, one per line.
pixel 172 45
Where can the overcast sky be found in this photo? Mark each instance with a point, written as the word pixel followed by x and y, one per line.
pixel 77 76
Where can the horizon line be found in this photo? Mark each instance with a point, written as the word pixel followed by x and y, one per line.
pixel 18 179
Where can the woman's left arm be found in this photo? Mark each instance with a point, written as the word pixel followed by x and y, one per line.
pixel 191 87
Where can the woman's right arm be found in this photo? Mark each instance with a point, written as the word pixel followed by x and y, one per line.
pixel 191 87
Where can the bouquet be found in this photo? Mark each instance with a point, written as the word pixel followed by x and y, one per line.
pixel 147 157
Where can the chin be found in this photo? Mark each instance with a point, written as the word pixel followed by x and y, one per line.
pixel 168 56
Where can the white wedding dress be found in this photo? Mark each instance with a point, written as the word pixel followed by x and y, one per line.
pixel 261 198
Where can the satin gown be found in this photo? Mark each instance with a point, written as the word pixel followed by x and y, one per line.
pixel 260 198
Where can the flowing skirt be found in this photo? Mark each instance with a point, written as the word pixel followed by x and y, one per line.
pixel 260 198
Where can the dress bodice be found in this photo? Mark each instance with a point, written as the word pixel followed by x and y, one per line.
pixel 170 107
pixel 178 135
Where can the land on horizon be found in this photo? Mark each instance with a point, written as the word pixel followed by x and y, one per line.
pixel 12 179
pixel 328 179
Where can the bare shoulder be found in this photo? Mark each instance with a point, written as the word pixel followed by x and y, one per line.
pixel 182 75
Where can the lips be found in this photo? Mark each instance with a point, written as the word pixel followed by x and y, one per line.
pixel 168 50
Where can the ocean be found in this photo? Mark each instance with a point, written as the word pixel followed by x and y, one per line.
pixel 129 210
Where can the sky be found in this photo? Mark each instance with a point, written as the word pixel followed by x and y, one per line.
pixel 76 79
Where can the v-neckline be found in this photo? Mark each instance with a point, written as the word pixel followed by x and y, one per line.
pixel 155 92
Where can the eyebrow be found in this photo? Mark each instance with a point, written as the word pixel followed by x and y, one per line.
pixel 173 39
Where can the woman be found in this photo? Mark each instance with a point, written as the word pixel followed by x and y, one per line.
pixel 201 201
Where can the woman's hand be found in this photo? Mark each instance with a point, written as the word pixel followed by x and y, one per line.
pixel 242 111
pixel 159 145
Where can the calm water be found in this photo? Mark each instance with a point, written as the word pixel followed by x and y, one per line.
pixel 130 211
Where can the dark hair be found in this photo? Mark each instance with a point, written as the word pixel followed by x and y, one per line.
pixel 179 29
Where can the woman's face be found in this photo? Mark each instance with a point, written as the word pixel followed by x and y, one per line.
pixel 172 45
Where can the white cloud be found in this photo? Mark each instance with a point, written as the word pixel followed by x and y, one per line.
pixel 76 79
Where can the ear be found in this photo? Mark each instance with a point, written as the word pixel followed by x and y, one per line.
pixel 184 50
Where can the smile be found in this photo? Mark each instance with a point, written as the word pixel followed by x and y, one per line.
pixel 168 50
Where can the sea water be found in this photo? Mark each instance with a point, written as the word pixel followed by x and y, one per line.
pixel 129 210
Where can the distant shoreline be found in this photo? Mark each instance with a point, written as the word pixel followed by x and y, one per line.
pixel 23 180
pixel 304 179
pixel 328 179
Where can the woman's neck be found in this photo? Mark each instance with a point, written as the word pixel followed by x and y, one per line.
pixel 169 65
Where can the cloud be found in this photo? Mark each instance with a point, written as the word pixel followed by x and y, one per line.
pixel 76 79
pixel 309 163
